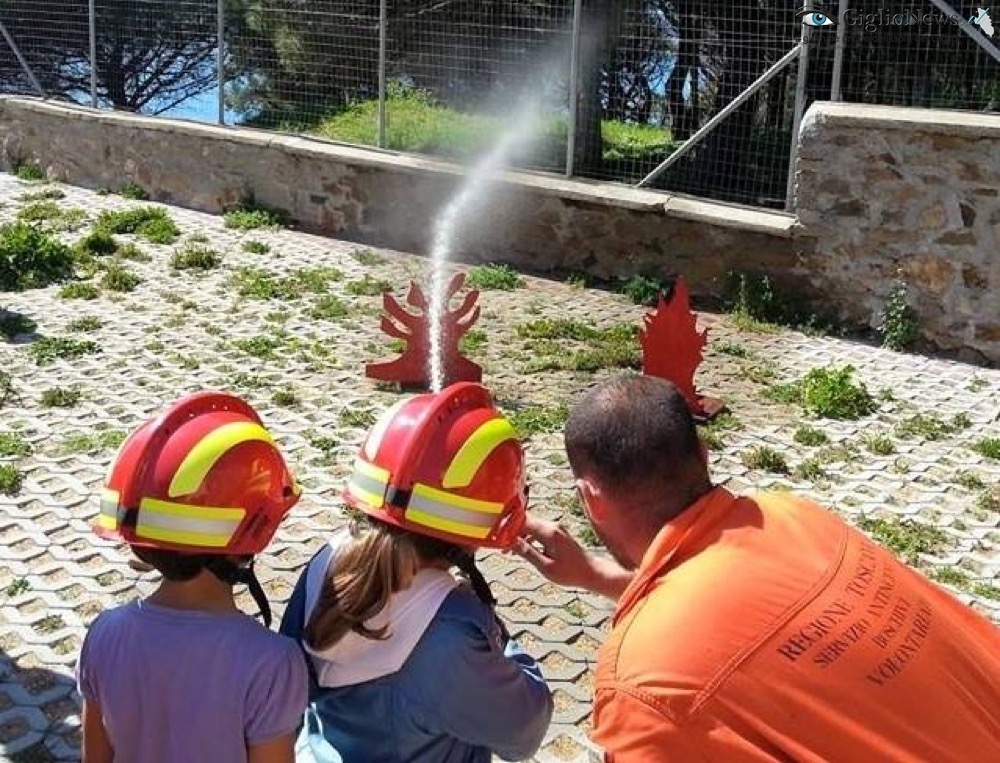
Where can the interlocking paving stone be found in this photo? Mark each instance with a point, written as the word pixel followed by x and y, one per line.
pixel 177 333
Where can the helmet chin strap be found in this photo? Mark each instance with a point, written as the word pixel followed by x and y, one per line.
pixel 466 562
pixel 231 573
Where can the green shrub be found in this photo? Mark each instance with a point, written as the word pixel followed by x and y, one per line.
pixel 194 257
pixel 132 190
pixel 644 290
pixel 494 277
pixel 929 427
pixel 31 258
pixel 810 436
pixel 120 279
pixel 10 479
pixel 12 444
pixel 285 398
pixel 46 194
pixel 832 393
pixel 764 458
pixel 79 290
pixel 989 447
pixel 900 325
pixel 49 348
pixel 29 171
pixel 98 243
pixel 86 323
pixel 906 537
pixel 879 444
pixel 96 442
pixel 357 417
pixel 151 223
pixel 262 347
pixel 250 216
pixel 329 307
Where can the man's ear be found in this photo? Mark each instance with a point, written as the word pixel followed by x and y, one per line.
pixel 591 496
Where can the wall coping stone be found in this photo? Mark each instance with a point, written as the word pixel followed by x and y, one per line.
pixel 908 119
pixel 581 190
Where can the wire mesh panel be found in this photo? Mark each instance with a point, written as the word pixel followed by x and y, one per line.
pixel 465 74
pixel 295 64
pixel 53 38
pixel 158 57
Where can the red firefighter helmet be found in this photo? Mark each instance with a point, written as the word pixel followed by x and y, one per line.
pixel 447 465
pixel 204 477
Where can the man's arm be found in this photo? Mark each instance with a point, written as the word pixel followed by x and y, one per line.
pixel 96 744
pixel 554 553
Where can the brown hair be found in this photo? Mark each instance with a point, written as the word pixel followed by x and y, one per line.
pixel 378 561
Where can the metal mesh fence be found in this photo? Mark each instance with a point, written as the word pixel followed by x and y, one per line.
pixel 650 76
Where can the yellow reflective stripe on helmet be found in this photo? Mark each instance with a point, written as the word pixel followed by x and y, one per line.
pixel 369 483
pixel 110 515
pixel 456 501
pixel 447 525
pixel 476 450
pixel 213 446
pixel 189 525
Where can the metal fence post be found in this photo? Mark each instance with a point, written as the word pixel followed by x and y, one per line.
pixel 220 63
pixel 574 88
pixel 92 20
pixel 25 67
pixel 800 97
pixel 383 19
pixel 838 51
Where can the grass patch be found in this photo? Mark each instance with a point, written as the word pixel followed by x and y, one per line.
pixel 764 458
pixel 329 307
pixel 949 576
pixel 61 397
pixel 48 349
pixel 988 447
pixel 494 277
pixel 537 419
pixel 472 342
pixel 29 171
pixel 262 347
pixel 733 349
pixel 368 258
pixel 46 194
pixel 255 283
pixel 252 216
pixel 17 587
pixel 15 324
pixel 907 538
pixel 969 480
pixel 285 398
pixel 810 436
pixel 362 418
pixel 712 433
pixel 811 469
pixel 79 290
pixel 97 442
pixel 557 328
pixel 51 216
pixel 255 247
pixel 930 427
pixel 195 257
pixel 12 444
pixel 151 223
pixel 591 350
pixel 879 444
pixel 120 279
pixel 986 591
pixel 368 286
pixel 30 258
pixel 10 479
pixel 989 501
pixel 644 290
pixel 97 243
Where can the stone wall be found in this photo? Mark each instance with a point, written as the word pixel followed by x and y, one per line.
pixel 540 223
pixel 879 191
pixel 887 193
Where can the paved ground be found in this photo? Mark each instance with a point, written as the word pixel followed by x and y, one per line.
pixel 933 497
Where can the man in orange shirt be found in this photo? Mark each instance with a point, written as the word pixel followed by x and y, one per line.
pixel 755 629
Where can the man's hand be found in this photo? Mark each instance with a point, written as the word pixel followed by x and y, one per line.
pixel 563 561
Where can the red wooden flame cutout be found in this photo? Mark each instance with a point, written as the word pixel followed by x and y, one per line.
pixel 671 349
pixel 412 367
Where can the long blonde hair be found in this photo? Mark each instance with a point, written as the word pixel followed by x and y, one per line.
pixel 378 561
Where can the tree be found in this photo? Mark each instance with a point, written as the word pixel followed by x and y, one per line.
pixel 151 55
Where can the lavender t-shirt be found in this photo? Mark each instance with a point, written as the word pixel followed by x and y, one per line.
pixel 176 686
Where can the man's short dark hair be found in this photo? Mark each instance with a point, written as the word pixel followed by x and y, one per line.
pixel 635 437
pixel 173 565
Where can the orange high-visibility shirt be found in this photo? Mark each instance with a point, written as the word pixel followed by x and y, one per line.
pixel 768 629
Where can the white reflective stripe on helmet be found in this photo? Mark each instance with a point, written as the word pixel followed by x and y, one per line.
pixel 205 526
pixel 452 513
